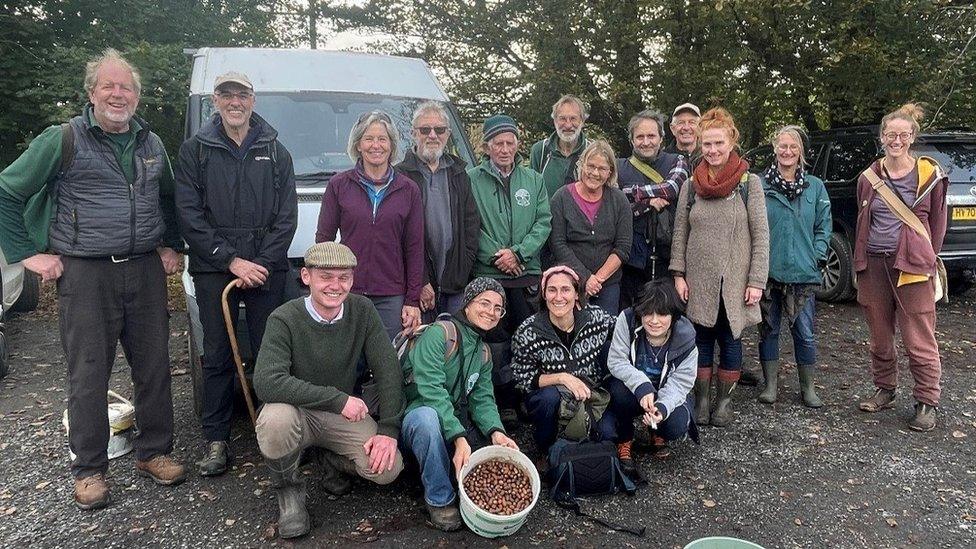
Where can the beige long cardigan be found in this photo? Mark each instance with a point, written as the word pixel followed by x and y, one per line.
pixel 722 246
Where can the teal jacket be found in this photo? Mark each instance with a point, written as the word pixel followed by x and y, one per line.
pixel 799 232
pixel 519 220
pixel 556 168
pixel 441 386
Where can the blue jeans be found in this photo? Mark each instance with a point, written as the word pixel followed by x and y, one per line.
pixel 804 346
pixel 730 348
pixel 420 433
pixel 625 407
pixel 543 407
pixel 608 298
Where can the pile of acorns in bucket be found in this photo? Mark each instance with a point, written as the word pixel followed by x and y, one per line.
pixel 499 487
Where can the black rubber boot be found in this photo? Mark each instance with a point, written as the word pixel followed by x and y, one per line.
pixel 703 384
pixel 289 485
pixel 722 416
pixel 749 378
pixel 807 391
pixel 770 370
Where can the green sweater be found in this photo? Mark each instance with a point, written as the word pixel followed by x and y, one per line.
pixel 556 168
pixel 312 365
pixel 518 220
pixel 26 207
pixel 437 385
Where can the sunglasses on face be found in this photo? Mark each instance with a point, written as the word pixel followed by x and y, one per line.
pixel 425 130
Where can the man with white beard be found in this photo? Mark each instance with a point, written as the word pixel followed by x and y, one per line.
pixel 555 157
pixel 451 220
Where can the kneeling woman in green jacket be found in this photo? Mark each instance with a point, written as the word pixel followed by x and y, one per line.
pixel 798 210
pixel 451 403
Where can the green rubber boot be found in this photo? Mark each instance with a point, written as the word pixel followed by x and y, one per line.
pixel 770 370
pixel 703 384
pixel 722 416
pixel 807 391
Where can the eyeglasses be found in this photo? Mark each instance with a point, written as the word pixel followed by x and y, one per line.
pixel 597 169
pixel 425 130
pixel 242 95
pixel 891 136
pixel 485 304
pixel 784 148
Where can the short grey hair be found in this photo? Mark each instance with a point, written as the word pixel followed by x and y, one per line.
pixel 568 98
pixel 429 107
pixel 797 133
pixel 366 120
pixel 109 55
pixel 646 114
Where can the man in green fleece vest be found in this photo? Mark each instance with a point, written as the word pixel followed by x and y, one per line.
pixel 450 402
pixel 307 375
pixel 556 156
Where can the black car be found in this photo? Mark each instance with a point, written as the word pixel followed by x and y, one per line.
pixel 839 156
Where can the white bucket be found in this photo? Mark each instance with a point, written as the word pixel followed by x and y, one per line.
pixel 121 418
pixel 490 525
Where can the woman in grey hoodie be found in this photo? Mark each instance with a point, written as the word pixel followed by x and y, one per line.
pixel 653 362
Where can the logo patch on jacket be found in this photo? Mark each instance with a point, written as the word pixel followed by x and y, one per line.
pixel 522 197
pixel 260 158
pixel 472 379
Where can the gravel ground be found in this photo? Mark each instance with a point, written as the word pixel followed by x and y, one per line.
pixel 782 476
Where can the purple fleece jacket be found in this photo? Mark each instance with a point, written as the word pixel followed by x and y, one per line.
pixel 390 248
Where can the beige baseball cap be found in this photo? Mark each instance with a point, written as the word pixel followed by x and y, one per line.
pixel 233 77
pixel 690 107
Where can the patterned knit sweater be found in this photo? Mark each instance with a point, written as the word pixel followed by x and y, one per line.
pixel 537 350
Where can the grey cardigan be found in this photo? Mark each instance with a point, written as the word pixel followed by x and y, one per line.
pixel 722 246
pixel 583 246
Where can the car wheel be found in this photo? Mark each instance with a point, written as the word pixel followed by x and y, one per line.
pixel 30 295
pixel 959 283
pixel 196 371
pixel 837 280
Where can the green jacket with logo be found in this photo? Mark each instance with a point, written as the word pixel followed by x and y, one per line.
pixel 441 386
pixel 519 220
pixel 800 232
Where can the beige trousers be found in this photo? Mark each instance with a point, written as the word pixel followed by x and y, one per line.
pixel 283 429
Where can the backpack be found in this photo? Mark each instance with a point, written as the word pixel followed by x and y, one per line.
pixel 588 468
pixel 742 188
pixel 405 341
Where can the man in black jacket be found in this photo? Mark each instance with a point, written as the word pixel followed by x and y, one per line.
pixel 451 220
pixel 238 210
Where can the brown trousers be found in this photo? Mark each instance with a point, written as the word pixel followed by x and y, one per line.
pixel 912 308
pixel 283 429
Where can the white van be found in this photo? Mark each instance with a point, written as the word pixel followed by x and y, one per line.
pixel 313 98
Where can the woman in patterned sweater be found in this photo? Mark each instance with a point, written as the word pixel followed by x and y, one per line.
pixel 562 347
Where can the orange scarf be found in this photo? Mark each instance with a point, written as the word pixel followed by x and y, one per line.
pixel 724 181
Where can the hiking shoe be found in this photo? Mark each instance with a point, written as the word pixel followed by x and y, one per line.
pixel 660 448
pixel 881 399
pixel 510 419
pixel 924 419
pixel 542 466
pixel 627 462
pixel 447 518
pixel 215 461
pixel 92 492
pixel 163 469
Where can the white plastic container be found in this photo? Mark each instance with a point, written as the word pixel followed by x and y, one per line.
pixel 490 525
pixel 121 418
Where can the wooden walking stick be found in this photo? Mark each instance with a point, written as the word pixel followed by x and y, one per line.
pixel 235 350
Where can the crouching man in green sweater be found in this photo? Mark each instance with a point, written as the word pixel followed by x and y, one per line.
pixel 306 373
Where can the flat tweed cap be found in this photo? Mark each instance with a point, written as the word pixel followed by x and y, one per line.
pixel 330 255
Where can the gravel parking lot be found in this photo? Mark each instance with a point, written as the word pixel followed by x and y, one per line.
pixel 782 476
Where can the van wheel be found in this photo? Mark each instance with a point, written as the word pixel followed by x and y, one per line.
pixel 30 295
pixel 196 371
pixel 837 278
pixel 3 354
pixel 960 282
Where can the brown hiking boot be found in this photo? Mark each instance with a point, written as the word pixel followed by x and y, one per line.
pixel 92 492
pixel 162 469
pixel 924 419
pixel 881 399
pixel 447 518
pixel 627 462
pixel 660 448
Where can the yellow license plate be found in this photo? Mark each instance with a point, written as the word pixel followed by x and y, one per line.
pixel 964 214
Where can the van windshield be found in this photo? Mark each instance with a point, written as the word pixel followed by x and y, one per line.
pixel 315 126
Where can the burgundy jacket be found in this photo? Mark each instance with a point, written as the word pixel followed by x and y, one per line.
pixel 390 247
pixel 913 255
